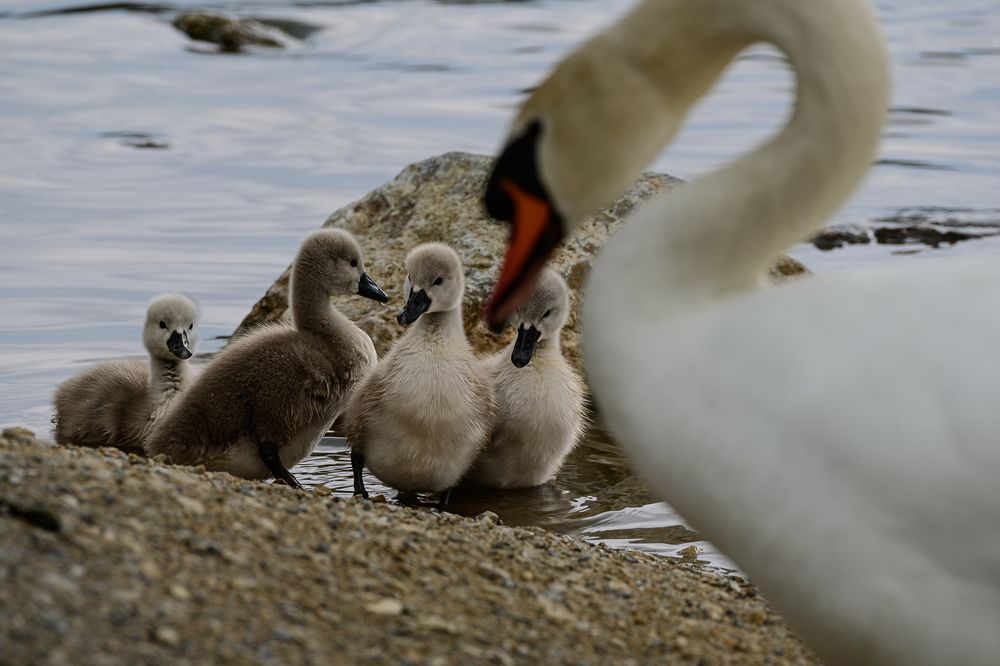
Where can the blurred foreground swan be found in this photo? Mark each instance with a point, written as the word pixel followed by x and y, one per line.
pixel 838 437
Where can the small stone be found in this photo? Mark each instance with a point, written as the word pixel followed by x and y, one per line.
pixel 713 611
pixel 190 505
pixel 435 623
pixel 489 517
pixel 267 524
pixel 180 592
pixel 554 610
pixel 244 583
pixel 59 582
pixel 323 491
pixel 385 607
pixel 149 569
pixel 168 636
pixel 619 587
pixel 689 553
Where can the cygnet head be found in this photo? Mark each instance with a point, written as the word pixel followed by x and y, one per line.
pixel 331 260
pixel 540 316
pixel 171 329
pixel 434 281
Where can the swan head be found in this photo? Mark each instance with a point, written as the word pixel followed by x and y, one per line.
pixel 541 316
pixel 332 259
pixel 171 328
pixel 581 138
pixel 434 281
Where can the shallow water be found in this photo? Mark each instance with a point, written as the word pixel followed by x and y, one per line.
pixel 256 149
pixel 595 497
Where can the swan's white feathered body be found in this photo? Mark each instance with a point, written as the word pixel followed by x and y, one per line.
pixel 838 437
pixel 832 453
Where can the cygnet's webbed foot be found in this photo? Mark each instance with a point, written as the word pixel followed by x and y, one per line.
pixel 358 468
pixel 269 454
pixel 444 499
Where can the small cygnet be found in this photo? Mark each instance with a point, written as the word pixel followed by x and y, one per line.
pixel 265 401
pixel 116 403
pixel 419 419
pixel 540 398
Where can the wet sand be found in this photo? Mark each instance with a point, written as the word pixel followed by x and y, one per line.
pixel 110 559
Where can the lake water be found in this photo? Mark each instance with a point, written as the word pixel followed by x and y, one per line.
pixel 258 148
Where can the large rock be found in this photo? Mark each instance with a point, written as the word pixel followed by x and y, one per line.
pixel 438 199
pixel 233 35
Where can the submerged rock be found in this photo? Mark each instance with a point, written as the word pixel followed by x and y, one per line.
pixel 231 34
pixel 903 230
pixel 832 238
pixel 438 199
pixel 926 235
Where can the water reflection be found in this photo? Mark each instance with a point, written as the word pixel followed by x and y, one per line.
pixel 595 497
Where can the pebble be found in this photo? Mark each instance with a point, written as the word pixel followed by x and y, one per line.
pixel 180 592
pixel 385 607
pixel 168 636
pixel 190 505
pixel 489 517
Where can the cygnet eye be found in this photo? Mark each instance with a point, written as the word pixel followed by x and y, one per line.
pixel 354 263
pixel 547 313
pixel 438 281
pixel 163 325
pixel 190 326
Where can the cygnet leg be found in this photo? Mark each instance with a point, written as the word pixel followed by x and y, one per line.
pixel 269 454
pixel 358 467
pixel 445 497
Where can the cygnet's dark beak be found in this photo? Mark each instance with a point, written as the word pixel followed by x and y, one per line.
pixel 177 344
pixel 416 305
pixel 368 289
pixel 524 346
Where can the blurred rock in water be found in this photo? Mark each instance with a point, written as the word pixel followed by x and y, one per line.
pixel 234 34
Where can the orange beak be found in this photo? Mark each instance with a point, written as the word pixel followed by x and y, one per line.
pixel 535 233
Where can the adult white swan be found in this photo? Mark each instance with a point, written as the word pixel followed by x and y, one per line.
pixel 838 437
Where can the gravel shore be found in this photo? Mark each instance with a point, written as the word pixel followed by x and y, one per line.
pixel 114 559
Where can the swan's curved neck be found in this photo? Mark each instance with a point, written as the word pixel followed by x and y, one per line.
pixel 548 347
pixel 718 234
pixel 551 346
pixel 446 324
pixel 166 378
pixel 312 310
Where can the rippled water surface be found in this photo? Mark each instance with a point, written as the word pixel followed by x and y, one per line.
pixel 244 154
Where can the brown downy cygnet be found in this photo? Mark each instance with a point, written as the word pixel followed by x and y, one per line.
pixel 116 403
pixel 265 401
pixel 540 398
pixel 424 413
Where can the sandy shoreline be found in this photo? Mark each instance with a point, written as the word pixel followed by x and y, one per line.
pixel 110 559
